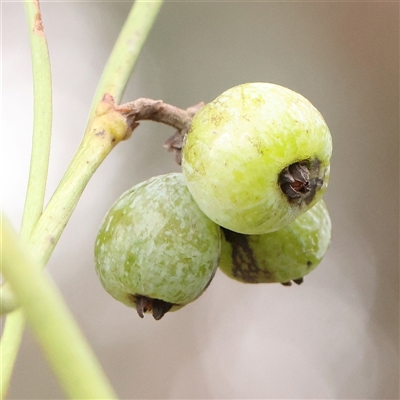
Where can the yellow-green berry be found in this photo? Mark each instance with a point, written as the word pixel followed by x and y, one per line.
pixel 257 157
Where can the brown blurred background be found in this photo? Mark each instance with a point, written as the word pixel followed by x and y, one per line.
pixel 334 337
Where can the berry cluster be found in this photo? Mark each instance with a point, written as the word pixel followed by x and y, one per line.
pixel 255 164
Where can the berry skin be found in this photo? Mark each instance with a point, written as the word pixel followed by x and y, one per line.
pixel 282 256
pixel 257 157
pixel 156 250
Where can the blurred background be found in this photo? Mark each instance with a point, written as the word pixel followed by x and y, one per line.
pixel 334 337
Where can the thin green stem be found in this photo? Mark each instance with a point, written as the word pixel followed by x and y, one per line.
pixel 42 119
pixel 106 130
pixel 126 50
pixel 67 351
pixel 41 138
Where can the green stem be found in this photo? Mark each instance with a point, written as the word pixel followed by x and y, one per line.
pixel 106 130
pixel 126 50
pixel 42 119
pixel 67 351
pixel 41 138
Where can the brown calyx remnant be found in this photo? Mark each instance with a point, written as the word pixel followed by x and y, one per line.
pixel 146 304
pixel 300 181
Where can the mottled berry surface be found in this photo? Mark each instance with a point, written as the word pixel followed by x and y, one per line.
pixel 155 242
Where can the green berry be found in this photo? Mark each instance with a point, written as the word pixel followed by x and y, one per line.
pixel 257 157
pixel 156 250
pixel 282 256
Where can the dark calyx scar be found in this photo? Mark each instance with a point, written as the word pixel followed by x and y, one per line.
pixel 299 181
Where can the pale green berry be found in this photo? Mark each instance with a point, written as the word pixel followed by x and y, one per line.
pixel 282 256
pixel 156 250
pixel 257 157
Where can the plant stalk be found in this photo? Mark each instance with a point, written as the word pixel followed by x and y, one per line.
pixel 63 344
pixel 41 139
